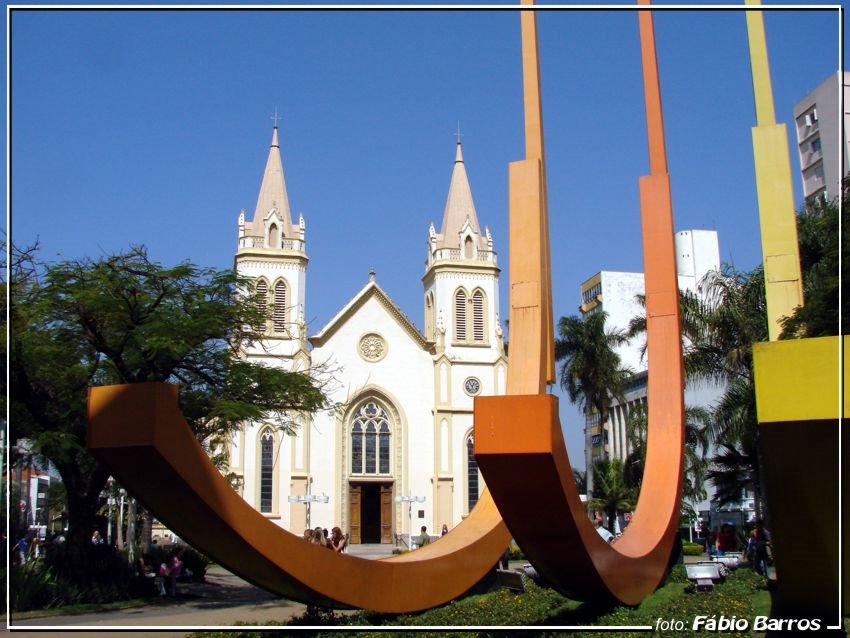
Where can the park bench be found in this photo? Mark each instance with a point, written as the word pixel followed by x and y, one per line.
pixel 510 579
pixel 704 574
pixel 730 559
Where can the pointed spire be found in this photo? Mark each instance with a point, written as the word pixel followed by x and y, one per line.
pixel 273 188
pixel 459 204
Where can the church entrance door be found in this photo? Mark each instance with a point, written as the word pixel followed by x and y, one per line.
pixel 371 512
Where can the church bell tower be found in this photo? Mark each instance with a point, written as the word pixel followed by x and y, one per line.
pixel 271 250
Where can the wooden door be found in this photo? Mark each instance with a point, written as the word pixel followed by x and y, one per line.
pixel 387 513
pixel 354 511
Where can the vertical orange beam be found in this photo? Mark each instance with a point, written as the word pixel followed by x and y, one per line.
pixel 665 382
pixel 534 150
pixel 652 93
pixel 519 443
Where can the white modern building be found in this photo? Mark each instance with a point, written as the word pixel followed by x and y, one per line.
pixel 616 293
pixel 405 426
pixel 822 142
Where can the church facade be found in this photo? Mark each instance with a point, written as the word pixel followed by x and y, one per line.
pixel 403 430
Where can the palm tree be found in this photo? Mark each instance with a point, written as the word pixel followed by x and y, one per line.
pixel 719 326
pixel 610 492
pixel 580 477
pixel 697 422
pixel 732 318
pixel 591 371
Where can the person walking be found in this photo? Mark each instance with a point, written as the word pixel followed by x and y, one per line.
pixel 761 540
pixel 21 547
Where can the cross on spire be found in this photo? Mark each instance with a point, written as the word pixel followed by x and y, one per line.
pixel 458 134
pixel 275 118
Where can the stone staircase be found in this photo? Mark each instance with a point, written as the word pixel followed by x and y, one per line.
pixel 371 550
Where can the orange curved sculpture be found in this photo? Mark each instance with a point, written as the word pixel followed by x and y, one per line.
pixel 518 440
pixel 139 433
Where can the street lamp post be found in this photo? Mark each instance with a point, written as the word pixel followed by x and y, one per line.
pixel 410 500
pixel 308 499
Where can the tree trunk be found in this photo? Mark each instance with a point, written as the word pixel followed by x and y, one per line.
pixel 119 522
pixel 83 494
pixel 146 531
pixel 612 517
pixel 131 532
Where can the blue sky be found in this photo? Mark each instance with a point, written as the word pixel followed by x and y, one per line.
pixel 152 127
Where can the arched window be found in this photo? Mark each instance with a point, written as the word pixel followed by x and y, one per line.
pixel 460 315
pixel 429 316
pixel 262 296
pixel 471 474
pixel 279 316
pixel 468 248
pixel 478 316
pixel 370 440
pixel 273 241
pixel 266 470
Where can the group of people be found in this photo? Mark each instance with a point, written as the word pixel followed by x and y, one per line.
pixel 169 572
pixel 424 537
pixel 756 546
pixel 336 540
pixel 32 547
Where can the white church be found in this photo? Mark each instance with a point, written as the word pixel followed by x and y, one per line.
pixel 405 429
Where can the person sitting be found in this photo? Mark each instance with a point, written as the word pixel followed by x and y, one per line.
pixel 423 538
pixel 337 540
pixel 319 538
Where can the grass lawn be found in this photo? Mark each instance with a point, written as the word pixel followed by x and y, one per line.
pixel 743 595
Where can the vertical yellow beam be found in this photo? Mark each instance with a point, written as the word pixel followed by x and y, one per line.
pixel 760 69
pixel 780 250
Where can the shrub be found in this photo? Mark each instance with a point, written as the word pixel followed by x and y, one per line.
pixel 543 606
pixel 692 549
pixel 515 553
pixel 93 574
pixel 315 616
pixel 31 586
pixel 193 560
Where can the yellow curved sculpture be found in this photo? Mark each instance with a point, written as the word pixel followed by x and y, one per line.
pixel 139 433
pixel 518 440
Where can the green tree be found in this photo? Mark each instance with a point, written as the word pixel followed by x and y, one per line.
pixel 697 420
pixel 820 242
pixel 591 371
pixel 611 493
pixel 127 319
pixel 719 326
pixel 732 317
pixel 580 477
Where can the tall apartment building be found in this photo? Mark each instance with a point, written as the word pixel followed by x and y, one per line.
pixel 822 142
pixel 697 253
